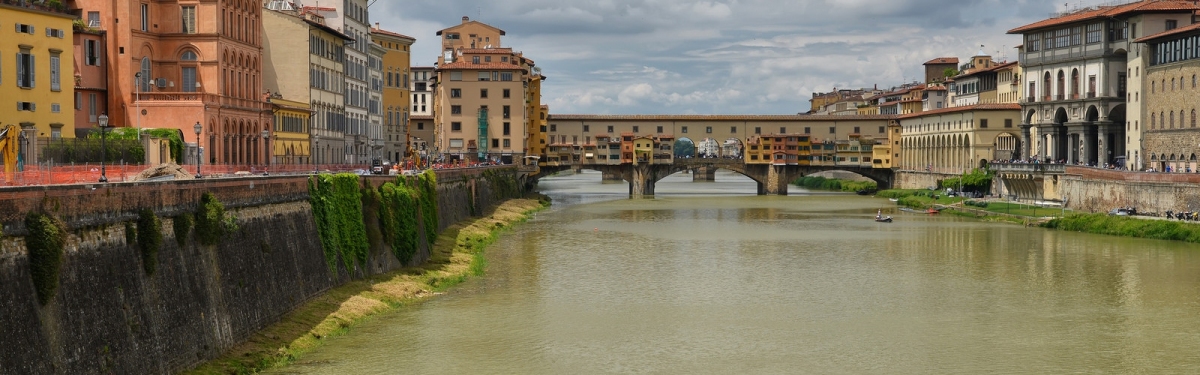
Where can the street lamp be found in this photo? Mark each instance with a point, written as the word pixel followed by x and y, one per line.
pixel 198 128
pixel 103 148
pixel 266 136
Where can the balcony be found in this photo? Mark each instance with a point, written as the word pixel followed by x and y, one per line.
pixel 1029 168
pixel 1058 97
pixel 205 98
pixel 1091 94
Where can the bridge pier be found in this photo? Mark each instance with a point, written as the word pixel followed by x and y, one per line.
pixel 641 181
pixel 704 174
pixel 776 182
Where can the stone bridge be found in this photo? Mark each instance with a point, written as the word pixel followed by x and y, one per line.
pixel 1030 182
pixel 771 179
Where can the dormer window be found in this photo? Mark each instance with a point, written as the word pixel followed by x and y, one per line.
pixel 475 59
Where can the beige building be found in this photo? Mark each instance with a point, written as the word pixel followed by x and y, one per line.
pixel 1171 139
pixel 284 28
pixel 396 94
pixel 420 122
pixel 956 140
pixel 482 98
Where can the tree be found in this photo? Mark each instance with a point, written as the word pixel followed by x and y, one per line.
pixel 950 72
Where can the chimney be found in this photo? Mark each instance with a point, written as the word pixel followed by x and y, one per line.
pixel 377 26
pixel 466 19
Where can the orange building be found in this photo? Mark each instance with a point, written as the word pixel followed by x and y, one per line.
pixel 172 64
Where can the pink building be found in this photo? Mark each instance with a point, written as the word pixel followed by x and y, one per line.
pixel 172 64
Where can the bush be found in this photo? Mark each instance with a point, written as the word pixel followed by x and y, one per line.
pixel 821 183
pixel 46 240
pixel 149 239
pixel 211 221
pixel 977 180
pixel 427 183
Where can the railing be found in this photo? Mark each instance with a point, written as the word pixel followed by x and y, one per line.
pixel 1029 168
pixel 48 174
pixel 1058 97
pixel 1031 99
pixel 94 24
pixel 205 98
pixel 1091 94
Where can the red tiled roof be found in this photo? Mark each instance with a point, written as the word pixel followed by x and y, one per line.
pixel 389 33
pixel 1180 30
pixel 942 60
pixel 481 66
pixel 568 117
pixel 976 107
pixel 936 88
pixel 1111 11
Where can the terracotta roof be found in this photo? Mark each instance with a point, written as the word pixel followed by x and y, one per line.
pixel 568 117
pixel 439 32
pixel 966 108
pixel 1180 30
pixel 328 29
pixel 942 60
pixel 1111 11
pixel 936 88
pixel 391 34
pixel 481 66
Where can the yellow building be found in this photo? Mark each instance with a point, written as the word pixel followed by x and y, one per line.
pixel 396 91
pixel 290 142
pixel 535 124
pixel 41 39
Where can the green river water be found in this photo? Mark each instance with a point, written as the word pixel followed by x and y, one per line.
pixel 710 279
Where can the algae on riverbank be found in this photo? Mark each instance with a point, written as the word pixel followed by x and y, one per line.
pixel 456 255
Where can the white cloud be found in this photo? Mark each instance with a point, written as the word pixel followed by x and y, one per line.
pixel 720 56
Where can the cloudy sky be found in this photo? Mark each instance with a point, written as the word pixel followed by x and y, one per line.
pixel 721 56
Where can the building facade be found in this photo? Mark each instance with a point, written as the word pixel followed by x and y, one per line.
pixel 420 122
pixel 91 77
pixel 1170 139
pixel 173 64
pixel 374 133
pixel 42 41
pixel 397 92
pixel 1076 71
pixel 956 140
pixel 289 141
pixel 351 18
pixel 285 27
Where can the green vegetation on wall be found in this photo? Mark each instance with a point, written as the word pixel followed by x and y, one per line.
pixel 46 240
pixel 338 210
pixel 427 183
pixel 182 225
pixel 503 184
pixel 130 233
pixel 211 221
pixel 822 183
pixel 399 219
pixel 149 239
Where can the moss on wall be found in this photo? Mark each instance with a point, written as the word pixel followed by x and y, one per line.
pixel 149 239
pixel 211 221
pixel 182 226
pixel 503 183
pixel 46 240
pixel 399 219
pixel 338 209
pixel 427 183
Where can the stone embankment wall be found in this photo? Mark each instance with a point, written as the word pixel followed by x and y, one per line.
pixel 1094 190
pixel 109 316
pixel 918 180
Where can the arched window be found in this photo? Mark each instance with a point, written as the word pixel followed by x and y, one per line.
pixel 187 72
pixel 1152 119
pixel 1152 86
pixel 1193 117
pixel 188 55
pixel 146 77
pixel 1172 123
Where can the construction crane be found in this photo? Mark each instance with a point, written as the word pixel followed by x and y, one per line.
pixel 9 141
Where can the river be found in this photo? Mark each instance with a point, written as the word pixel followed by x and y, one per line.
pixel 709 278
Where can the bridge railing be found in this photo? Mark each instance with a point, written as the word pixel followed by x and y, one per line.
pixel 1029 168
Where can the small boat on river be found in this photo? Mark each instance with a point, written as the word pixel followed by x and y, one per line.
pixel 883 220
pixel 893 200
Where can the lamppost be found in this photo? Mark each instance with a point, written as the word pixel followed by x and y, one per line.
pixel 198 128
pixel 103 148
pixel 266 136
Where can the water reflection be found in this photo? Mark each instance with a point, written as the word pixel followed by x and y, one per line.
pixel 708 278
